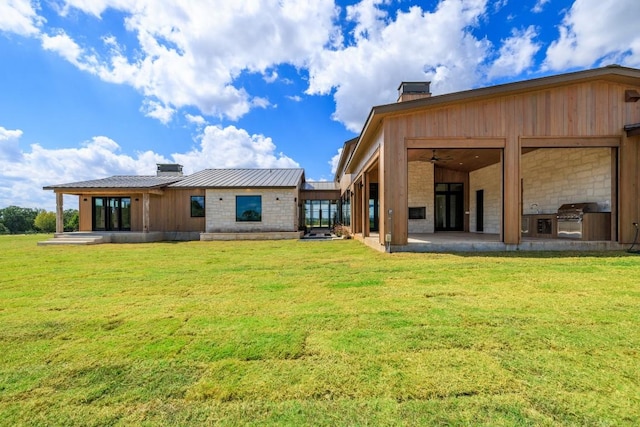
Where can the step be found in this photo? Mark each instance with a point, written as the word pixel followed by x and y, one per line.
pixel 73 240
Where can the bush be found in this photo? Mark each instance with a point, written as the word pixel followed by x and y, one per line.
pixel 45 222
pixel 71 220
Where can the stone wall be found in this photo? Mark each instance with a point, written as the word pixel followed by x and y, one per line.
pixel 421 194
pixel 279 210
pixel 550 178
pixel 553 177
pixel 488 179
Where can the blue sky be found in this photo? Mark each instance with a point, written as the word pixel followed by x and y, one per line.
pixel 94 88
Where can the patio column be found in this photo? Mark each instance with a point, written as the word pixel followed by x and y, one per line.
pixel 145 212
pixel 59 213
pixel 365 204
pixel 511 192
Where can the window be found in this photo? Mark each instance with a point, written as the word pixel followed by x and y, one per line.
pixel 197 206
pixel 248 208
pixel 417 213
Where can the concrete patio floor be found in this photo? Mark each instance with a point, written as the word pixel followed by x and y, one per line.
pixel 480 242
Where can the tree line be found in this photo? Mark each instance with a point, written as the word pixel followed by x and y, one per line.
pixel 17 220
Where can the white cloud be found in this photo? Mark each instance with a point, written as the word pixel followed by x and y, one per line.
pixel 416 45
pixel 23 176
pixel 19 17
pixel 184 60
pixel 231 147
pixel 334 161
pixel 539 6
pixel 516 54
pixel 26 171
pixel 158 111
pixel 196 120
pixel 294 98
pixel 597 32
pixel 9 149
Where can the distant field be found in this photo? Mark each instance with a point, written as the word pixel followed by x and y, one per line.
pixel 315 333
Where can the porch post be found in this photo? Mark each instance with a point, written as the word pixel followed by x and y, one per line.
pixel 511 192
pixel 145 212
pixel 365 204
pixel 59 213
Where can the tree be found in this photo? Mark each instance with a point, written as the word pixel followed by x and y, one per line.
pixel 71 220
pixel 18 220
pixel 45 222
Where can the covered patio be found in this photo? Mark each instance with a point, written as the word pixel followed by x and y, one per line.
pixel 481 242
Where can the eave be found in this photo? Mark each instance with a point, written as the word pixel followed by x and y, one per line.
pixel 632 130
pixel 377 114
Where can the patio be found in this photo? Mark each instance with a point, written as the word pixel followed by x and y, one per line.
pixel 480 242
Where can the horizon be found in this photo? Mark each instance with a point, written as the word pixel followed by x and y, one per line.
pixel 92 90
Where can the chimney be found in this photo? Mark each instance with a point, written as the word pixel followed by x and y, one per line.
pixel 408 91
pixel 169 169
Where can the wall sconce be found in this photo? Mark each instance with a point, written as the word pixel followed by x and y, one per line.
pixel 631 95
pixel 277 198
pixel 295 199
pixel 136 199
pixel 85 199
pixel 220 198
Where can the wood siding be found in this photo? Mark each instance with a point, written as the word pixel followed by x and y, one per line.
pixel 172 211
pixel 588 113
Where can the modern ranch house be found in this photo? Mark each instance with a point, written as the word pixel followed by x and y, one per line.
pixel 545 164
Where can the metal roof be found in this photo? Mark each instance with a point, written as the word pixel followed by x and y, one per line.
pixel 121 181
pixel 320 185
pixel 242 178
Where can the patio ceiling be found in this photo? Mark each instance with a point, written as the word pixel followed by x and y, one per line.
pixel 464 160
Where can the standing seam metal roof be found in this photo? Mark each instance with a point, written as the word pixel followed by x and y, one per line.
pixel 121 181
pixel 234 178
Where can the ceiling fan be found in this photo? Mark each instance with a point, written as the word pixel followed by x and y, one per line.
pixel 434 158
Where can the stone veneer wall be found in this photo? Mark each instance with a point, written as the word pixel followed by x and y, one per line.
pixel 551 177
pixel 488 179
pixel 277 215
pixel 421 194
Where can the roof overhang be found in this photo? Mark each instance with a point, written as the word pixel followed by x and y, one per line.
pixel 105 191
pixel 632 130
pixel 615 73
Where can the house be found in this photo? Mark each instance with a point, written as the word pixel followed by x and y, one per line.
pixel 547 163
pixel 213 204
pixel 553 160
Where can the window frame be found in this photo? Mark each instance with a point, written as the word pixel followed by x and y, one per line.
pixel 258 211
pixel 191 206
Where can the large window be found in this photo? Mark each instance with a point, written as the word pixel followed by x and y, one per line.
pixel 197 206
pixel 248 208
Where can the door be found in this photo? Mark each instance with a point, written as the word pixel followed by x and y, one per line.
pixel 373 207
pixel 449 206
pixel 111 213
pixel 320 213
pixel 480 210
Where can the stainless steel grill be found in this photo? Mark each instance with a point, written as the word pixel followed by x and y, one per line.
pixel 570 219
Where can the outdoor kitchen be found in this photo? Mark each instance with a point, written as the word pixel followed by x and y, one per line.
pixel 579 221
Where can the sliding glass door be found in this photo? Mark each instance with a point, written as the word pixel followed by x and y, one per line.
pixel 111 213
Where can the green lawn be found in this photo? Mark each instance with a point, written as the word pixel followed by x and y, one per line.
pixel 315 333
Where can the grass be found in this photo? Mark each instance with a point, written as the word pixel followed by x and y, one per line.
pixel 315 333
